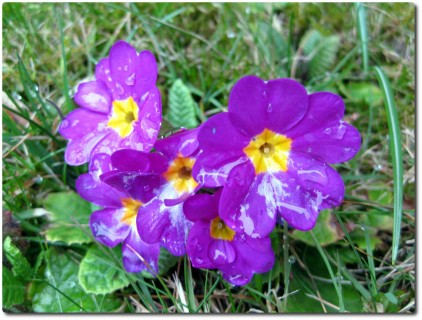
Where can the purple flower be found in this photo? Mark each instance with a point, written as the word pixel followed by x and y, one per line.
pixel 116 222
pixel 167 178
pixel 271 151
pixel 214 245
pixel 120 109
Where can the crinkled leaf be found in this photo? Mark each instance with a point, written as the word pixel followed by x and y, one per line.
pixel 61 292
pixel 165 262
pixel 21 267
pixel 13 289
pixel 326 231
pixel 67 207
pixel 319 51
pixel 68 234
pixel 99 271
pixel 181 112
pixel 69 216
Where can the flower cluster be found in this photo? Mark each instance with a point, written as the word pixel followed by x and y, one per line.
pixel 215 192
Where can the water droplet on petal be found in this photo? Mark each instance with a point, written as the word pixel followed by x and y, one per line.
pixel 309 149
pixel 214 130
pixel 198 247
pixel 198 260
pixel 147 188
pixel 327 131
pixel 126 68
pixel 64 124
pixel 119 88
pixel 269 108
pixel 130 80
pixel 239 180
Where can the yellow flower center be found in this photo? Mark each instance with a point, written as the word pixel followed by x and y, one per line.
pixel 269 151
pixel 219 230
pixel 124 113
pixel 179 174
pixel 131 208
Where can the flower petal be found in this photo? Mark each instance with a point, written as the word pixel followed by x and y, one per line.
pixel 202 206
pixel 165 225
pixel 94 96
pixel 338 142
pixel 98 192
pixel 80 122
pixel 78 151
pixel 123 60
pixel 257 253
pixel 103 73
pixel 183 142
pixel 139 186
pixel 139 256
pixel 309 187
pixel 219 135
pixel 146 73
pixel 106 226
pixel 323 109
pixel 211 169
pixel 197 245
pixel 221 252
pixel 145 130
pixel 130 160
pixel 255 105
pixel 108 144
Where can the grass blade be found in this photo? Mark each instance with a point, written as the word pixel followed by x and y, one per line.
pixel 330 270
pixel 363 34
pixel 396 157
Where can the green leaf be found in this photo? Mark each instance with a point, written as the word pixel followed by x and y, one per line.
pixel 325 231
pixel 69 215
pixel 320 51
pixel 301 302
pixel 364 92
pixel 358 237
pixel 21 267
pixel 165 262
pixel 13 289
pixel 69 234
pixel 182 107
pixel 99 273
pixel 61 291
pixel 396 158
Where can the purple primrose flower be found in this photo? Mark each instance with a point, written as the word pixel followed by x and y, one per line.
pixel 271 151
pixel 120 109
pixel 212 244
pixel 116 222
pixel 167 177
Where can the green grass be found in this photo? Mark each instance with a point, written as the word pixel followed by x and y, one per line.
pixel 363 52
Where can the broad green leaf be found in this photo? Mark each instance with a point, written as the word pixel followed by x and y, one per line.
pixel 69 216
pixel 165 262
pixel 68 234
pixel 325 231
pixel 67 207
pixel 358 237
pixel 21 267
pixel 367 92
pixel 61 293
pixel 99 273
pixel 13 289
pixel 181 112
